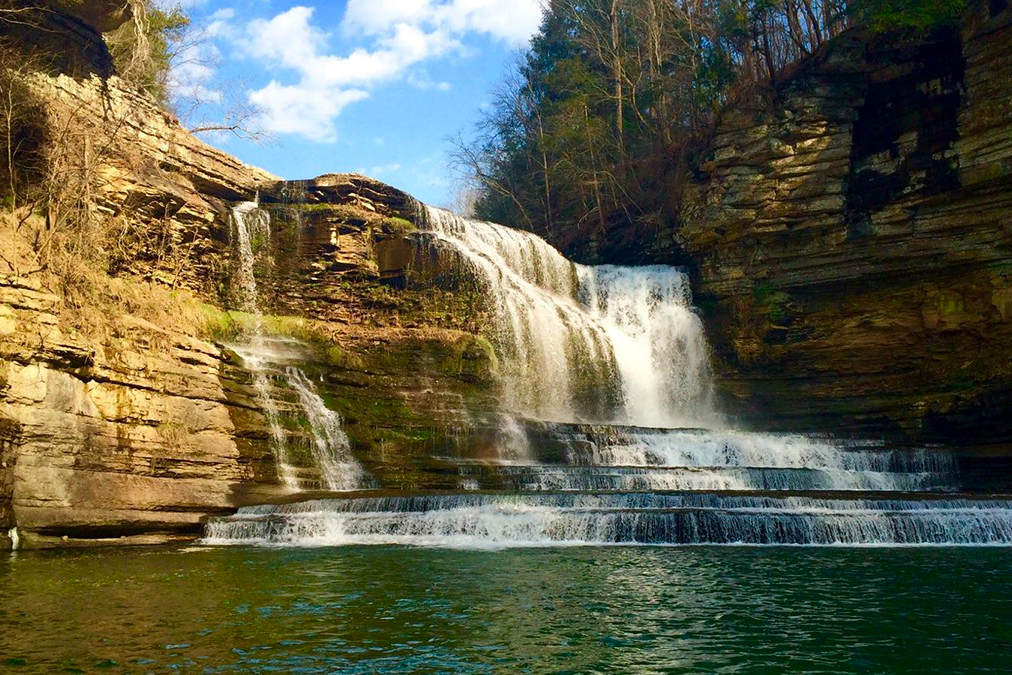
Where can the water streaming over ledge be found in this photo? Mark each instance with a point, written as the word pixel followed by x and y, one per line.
pixel 265 357
pixel 250 223
pixel 605 369
pixel 657 519
pixel 617 344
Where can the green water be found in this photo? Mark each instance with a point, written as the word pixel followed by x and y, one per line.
pixel 583 610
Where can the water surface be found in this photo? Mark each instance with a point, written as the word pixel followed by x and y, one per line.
pixel 584 610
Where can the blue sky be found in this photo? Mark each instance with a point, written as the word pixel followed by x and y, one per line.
pixel 375 86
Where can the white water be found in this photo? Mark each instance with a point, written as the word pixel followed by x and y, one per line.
pixel 608 446
pixel 657 341
pixel 249 223
pixel 622 345
pixel 491 521
pixel 623 479
pixel 330 445
pixel 263 354
pixel 617 344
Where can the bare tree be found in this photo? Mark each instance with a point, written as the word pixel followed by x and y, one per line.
pixel 237 115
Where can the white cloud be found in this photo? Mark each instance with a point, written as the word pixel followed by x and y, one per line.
pixel 288 39
pixel 218 24
pixel 374 17
pixel 326 83
pixel 420 79
pixel 304 110
pixel 380 171
pixel 513 21
pixel 193 72
pixel 312 84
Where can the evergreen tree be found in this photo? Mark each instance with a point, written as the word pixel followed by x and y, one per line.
pixel 588 126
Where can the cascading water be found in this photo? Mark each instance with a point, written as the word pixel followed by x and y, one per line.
pixel 263 355
pixel 330 445
pixel 586 458
pixel 249 222
pixel 622 348
pixel 617 344
pixel 541 520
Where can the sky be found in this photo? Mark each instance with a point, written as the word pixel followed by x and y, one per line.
pixel 370 86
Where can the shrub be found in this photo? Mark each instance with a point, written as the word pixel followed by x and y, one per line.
pixel 142 49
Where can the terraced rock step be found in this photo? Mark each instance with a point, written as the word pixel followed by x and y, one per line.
pixel 488 520
pixel 696 478
pixel 588 444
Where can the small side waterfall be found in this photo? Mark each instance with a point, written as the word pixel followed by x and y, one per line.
pixel 329 445
pixel 249 222
pixel 607 344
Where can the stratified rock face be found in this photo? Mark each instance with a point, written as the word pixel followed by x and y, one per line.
pixel 10 437
pixel 65 35
pixel 853 245
pixel 137 435
pixel 171 190
pixel 132 435
pixel 402 371
pixel 102 15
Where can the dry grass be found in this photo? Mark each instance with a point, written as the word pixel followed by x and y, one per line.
pixel 90 301
pixel 51 231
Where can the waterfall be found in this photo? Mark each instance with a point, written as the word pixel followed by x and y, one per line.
pixel 656 519
pixel 330 445
pixel 263 354
pixel 249 223
pixel 609 435
pixel 617 344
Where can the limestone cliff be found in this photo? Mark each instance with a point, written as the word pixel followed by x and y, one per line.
pixel 126 436
pixel 130 432
pixel 852 244
pixel 134 417
pixel 10 434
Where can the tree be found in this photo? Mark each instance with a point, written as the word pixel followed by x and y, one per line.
pixel 158 43
pixel 608 101
pixel 143 48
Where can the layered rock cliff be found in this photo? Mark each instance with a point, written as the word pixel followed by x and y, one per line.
pixel 851 239
pixel 10 434
pixel 135 418
pixel 849 242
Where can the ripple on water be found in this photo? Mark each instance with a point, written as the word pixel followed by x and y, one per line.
pixel 607 610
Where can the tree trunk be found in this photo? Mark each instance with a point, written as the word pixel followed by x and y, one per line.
pixel 617 75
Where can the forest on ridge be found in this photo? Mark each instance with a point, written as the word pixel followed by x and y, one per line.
pixel 601 114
